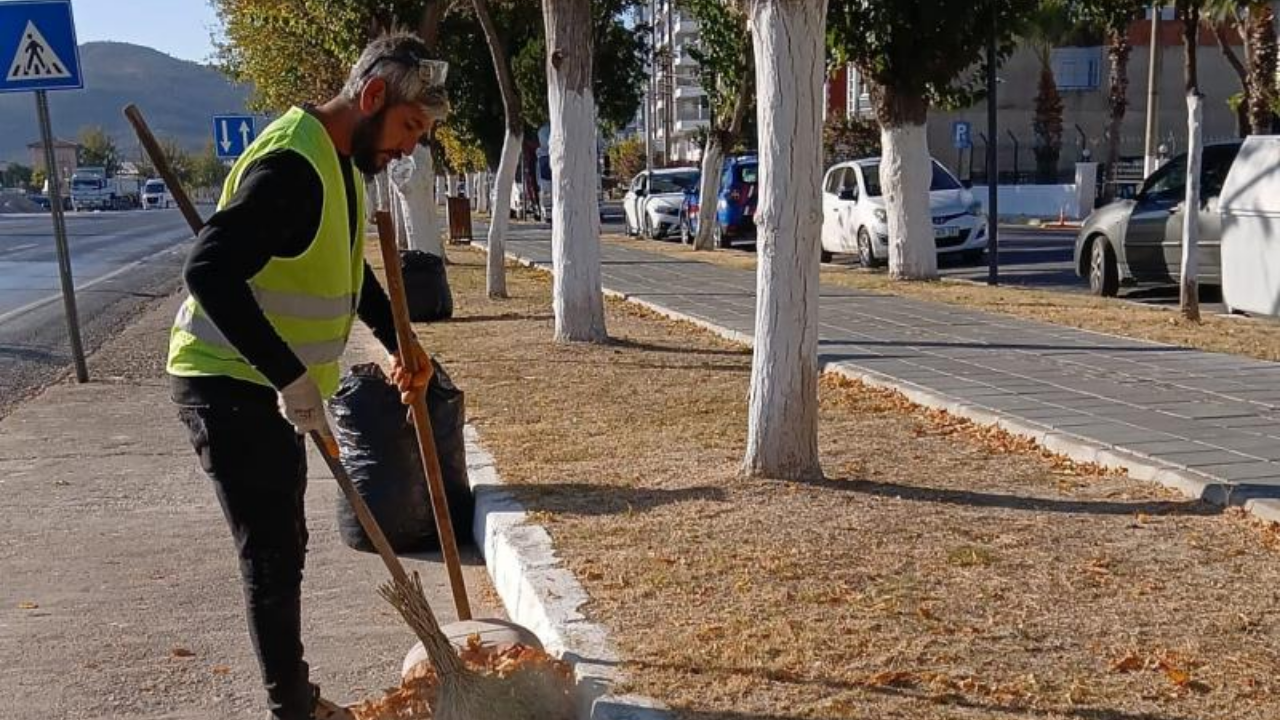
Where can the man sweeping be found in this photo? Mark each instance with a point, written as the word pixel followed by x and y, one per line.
pixel 276 280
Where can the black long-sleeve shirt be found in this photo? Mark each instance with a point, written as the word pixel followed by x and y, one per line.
pixel 275 213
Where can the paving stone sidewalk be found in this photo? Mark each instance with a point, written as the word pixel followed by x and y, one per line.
pixel 1206 423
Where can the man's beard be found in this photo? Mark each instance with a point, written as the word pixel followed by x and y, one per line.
pixel 364 143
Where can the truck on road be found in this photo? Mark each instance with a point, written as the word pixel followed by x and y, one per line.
pixel 92 189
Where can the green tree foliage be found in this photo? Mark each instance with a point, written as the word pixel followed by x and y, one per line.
pixel 626 158
pixel 461 152
pixel 97 149
pixel 179 160
pixel 618 74
pixel 15 175
pixel 723 54
pixel 299 51
pixel 853 138
pixel 38 178
pixel 887 41
pixel 207 171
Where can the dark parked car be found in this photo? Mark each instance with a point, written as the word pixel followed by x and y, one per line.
pixel 735 208
pixel 1140 240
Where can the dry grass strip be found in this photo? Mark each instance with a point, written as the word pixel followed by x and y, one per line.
pixel 943 570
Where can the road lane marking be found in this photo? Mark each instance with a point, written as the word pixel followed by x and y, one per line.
pixel 37 304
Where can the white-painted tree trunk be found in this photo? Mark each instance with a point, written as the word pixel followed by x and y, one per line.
pixel 577 298
pixel 412 193
pixel 782 430
pixel 905 175
pixel 1190 293
pixel 499 222
pixel 442 189
pixel 709 192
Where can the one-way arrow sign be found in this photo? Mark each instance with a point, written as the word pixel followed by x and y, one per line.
pixel 232 134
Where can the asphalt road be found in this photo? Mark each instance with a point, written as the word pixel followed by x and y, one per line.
pixel 120 261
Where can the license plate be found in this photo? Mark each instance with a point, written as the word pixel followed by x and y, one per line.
pixel 946 231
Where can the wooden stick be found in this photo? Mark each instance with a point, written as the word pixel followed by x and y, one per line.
pixel 163 167
pixel 421 419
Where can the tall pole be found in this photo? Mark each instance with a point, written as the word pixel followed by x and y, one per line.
pixel 651 103
pixel 60 237
pixel 1153 92
pixel 993 174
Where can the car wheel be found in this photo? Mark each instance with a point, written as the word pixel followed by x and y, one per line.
pixel 827 256
pixel 1104 275
pixel 717 235
pixel 866 255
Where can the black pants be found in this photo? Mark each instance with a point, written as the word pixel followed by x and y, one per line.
pixel 259 471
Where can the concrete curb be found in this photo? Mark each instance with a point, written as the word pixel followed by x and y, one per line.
pixel 1193 484
pixel 544 596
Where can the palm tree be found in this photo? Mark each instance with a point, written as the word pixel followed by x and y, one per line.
pixel 1045 28
pixel 1114 17
pixel 1255 22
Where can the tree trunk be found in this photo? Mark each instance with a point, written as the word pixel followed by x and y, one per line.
pixel 709 190
pixel 719 140
pixel 577 298
pixel 1118 49
pixel 782 430
pixel 496 265
pixel 1189 298
pixel 1221 34
pixel 1261 32
pixel 905 176
pixel 412 194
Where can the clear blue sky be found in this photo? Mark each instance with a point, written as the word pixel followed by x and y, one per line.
pixel 180 28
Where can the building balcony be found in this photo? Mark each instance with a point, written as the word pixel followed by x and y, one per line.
pixel 689 92
pixel 688 125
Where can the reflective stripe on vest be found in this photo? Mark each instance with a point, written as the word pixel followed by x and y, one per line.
pixel 202 328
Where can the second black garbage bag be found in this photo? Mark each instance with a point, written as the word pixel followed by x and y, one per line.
pixel 380 453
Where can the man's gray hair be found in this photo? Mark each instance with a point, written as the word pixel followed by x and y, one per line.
pixel 406 65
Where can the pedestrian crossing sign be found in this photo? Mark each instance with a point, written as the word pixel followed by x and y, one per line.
pixel 38 43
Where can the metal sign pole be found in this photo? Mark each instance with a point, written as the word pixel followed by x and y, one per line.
pixel 60 238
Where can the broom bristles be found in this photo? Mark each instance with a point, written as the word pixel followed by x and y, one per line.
pixel 528 693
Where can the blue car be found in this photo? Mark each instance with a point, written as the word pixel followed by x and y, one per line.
pixel 735 208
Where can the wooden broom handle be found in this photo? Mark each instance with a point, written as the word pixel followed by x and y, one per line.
pixel 421 419
pixel 163 167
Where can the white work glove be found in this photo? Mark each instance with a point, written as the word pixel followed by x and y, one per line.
pixel 302 406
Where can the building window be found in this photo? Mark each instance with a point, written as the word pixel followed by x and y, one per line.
pixel 1077 68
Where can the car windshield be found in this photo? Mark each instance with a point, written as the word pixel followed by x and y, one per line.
pixel 154 186
pixel 84 184
pixel 673 182
pixel 1170 181
pixel 942 180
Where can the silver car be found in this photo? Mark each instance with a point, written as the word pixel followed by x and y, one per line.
pixel 1140 240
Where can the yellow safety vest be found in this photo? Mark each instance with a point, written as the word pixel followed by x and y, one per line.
pixel 310 299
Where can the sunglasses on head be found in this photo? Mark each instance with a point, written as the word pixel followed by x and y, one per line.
pixel 433 72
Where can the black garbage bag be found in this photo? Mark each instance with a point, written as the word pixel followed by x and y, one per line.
pixel 380 453
pixel 426 286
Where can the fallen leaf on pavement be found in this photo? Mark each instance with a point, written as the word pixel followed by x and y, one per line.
pixel 27 606
pixel 181 652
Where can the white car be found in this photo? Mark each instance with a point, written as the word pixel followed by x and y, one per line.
pixel 156 196
pixel 652 205
pixel 854 219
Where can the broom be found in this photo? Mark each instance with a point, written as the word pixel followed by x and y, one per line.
pixel 529 691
